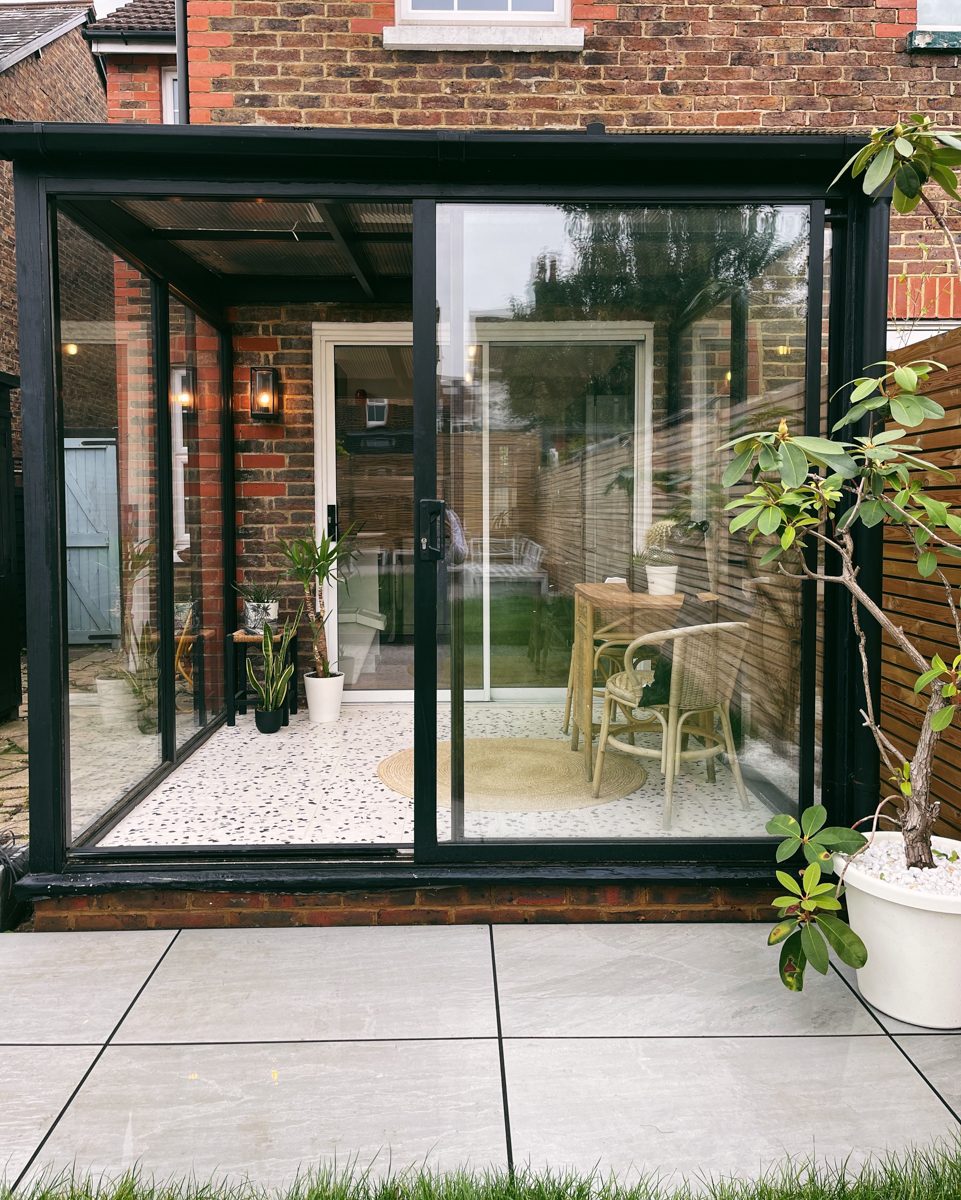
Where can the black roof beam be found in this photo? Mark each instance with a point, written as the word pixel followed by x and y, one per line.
pixel 338 222
pixel 270 235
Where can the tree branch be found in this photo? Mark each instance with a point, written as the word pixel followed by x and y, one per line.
pixel 945 230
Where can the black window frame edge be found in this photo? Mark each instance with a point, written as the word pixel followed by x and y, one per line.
pixel 47 165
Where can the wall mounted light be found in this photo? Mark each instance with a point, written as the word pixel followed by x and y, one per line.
pixel 264 394
pixel 71 348
pixel 783 351
pixel 183 389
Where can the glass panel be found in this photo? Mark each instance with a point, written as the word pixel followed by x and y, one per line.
pixel 109 419
pixel 196 426
pixel 374 431
pixel 939 14
pixel 591 360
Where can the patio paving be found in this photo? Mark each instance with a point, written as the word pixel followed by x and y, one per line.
pixel 636 1048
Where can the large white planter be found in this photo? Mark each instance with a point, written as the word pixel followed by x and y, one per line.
pixel 913 939
pixel 118 705
pixel 323 697
pixel 661 581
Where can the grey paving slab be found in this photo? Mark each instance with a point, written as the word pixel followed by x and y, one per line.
pixel 938 1057
pixel 714 1107
pixel 222 985
pixel 35 1084
pixel 891 1024
pixel 659 980
pixel 72 987
pixel 266 1110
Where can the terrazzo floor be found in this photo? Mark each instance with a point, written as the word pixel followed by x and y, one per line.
pixel 318 785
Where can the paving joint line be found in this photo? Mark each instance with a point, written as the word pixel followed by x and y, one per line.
pixel 97 1057
pixel 894 1041
pixel 500 1055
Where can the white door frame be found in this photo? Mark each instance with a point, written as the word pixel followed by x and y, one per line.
pixel 329 334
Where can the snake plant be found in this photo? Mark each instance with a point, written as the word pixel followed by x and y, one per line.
pixel 277 671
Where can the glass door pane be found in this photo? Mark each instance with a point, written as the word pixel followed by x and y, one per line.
pixel 591 360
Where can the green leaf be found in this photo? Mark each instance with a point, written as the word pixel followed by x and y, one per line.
pixel 735 470
pixel 942 718
pixel 770 555
pixel 843 465
pixel 811 878
pixel 945 178
pixel 905 204
pixel 782 930
pixel 770 519
pixel 787 537
pixel 794 465
pixel 785 901
pixel 871 513
pixel 786 881
pixel 815 950
pixel 879 170
pixel 906 410
pixel 928 563
pixel 746 518
pixel 866 387
pixel 792 963
pixel 907 180
pixel 936 509
pixel 922 681
pixel 947 140
pixel 787 849
pixel 813 818
pixel 953 523
pixel 784 825
pixel 843 941
pixel 767 458
pixel 819 446
pixel 905 378
pixel 903 147
pixel 840 838
pixel 889 435
pixel 814 852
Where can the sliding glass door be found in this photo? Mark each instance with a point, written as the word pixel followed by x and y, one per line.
pixel 591 360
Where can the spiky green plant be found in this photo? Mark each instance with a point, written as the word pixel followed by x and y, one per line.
pixel 277 671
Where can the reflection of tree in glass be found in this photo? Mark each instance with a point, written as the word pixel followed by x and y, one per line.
pixel 656 263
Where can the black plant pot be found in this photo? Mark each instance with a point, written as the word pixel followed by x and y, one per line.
pixel 269 722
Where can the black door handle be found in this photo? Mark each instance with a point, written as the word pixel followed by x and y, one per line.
pixel 431 532
pixel 332 531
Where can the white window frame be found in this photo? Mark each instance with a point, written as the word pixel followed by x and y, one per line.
pixel 168 95
pixel 932 27
pixel 405 15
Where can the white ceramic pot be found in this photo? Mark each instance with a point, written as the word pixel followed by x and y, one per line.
pixel 323 696
pixel 661 581
pixel 257 615
pixel 118 704
pixel 913 940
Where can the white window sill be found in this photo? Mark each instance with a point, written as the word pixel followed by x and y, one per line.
pixel 517 38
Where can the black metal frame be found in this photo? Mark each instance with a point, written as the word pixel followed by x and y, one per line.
pixel 82 164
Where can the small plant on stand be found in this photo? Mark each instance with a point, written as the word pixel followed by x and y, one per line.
pixel 658 559
pixel 272 692
pixel 806 498
pixel 313 565
pixel 261 604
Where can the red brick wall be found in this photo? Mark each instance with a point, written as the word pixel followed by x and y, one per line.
pixel 477 904
pixel 62 85
pixel 134 87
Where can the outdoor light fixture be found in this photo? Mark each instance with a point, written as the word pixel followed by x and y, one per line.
pixel 783 350
pixel 71 348
pixel 183 389
pixel 264 394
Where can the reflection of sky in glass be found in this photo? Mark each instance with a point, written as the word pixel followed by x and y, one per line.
pixel 501 248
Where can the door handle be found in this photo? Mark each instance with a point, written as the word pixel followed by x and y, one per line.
pixel 332 531
pixel 431 532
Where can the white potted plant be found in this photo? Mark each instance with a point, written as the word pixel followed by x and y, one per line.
pixel 261 605
pixel 658 559
pixel 314 564
pixel 903 885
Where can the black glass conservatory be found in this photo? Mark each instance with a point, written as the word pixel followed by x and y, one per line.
pixel 504 362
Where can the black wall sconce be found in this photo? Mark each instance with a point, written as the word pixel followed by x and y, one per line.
pixel 264 394
pixel 183 389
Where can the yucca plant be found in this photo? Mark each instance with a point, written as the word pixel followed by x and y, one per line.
pixel 314 564
pixel 273 690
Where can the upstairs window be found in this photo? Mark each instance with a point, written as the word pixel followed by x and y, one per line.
pixel 485 12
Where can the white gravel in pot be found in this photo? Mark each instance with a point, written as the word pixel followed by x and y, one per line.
pixel 886 860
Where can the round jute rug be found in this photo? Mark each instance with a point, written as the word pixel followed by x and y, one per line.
pixel 518 775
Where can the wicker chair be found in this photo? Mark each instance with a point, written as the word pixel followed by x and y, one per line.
pixel 705 666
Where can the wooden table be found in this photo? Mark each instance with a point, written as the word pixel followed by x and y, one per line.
pixel 236 647
pixel 609 612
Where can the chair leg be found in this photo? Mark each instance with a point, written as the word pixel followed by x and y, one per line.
pixel 669 757
pixel 570 697
pixel 708 726
pixel 732 756
pixel 602 744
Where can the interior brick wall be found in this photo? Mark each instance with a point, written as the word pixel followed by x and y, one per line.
pixel 63 84
pixel 134 87
pixel 471 905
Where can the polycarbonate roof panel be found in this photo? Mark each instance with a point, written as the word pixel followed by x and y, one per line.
pixel 381 218
pixel 268 258
pixel 390 258
pixel 242 215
